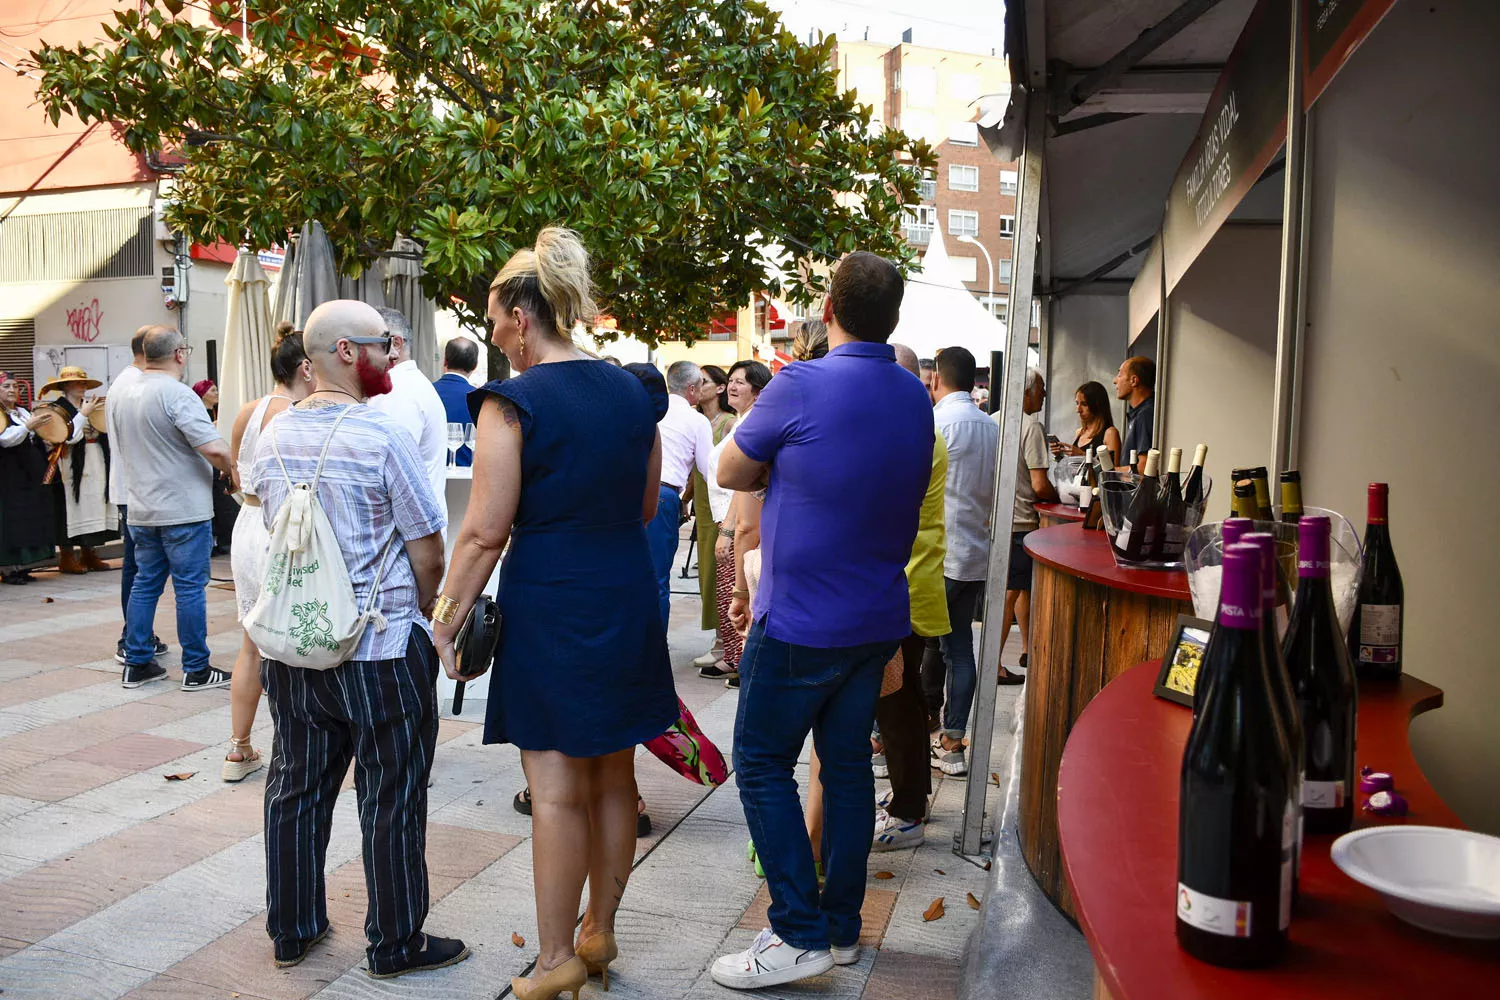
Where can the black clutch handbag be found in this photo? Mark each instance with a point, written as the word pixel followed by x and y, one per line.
pixel 475 644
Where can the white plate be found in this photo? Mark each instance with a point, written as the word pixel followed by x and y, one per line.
pixel 1439 879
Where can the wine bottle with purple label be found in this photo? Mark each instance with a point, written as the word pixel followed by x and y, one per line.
pixel 1317 660
pixel 1236 816
pixel 1378 627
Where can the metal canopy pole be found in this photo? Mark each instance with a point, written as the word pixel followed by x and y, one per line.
pixel 1291 317
pixel 970 838
pixel 1163 352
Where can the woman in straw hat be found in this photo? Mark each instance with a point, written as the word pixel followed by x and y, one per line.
pixel 81 507
pixel 25 504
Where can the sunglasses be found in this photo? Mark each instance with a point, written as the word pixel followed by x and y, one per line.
pixel 384 340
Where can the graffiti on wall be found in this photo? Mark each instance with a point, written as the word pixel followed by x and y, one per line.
pixel 85 321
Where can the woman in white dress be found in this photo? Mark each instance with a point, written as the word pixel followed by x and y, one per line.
pixel 247 551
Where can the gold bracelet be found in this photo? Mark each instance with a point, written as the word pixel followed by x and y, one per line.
pixel 743 595
pixel 444 610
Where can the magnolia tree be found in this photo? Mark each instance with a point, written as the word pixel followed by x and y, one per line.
pixel 684 139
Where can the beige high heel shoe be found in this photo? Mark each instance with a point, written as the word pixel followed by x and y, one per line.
pixel 566 978
pixel 597 952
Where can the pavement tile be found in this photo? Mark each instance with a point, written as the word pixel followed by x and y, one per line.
pixel 38 974
pixel 50 897
pixel 55 829
pixel 57 779
pixel 14 805
pixel 154 849
pixel 134 932
pixel 136 751
pixel 9 946
pixel 11 866
pixel 898 975
pixel 241 962
pixel 165 987
pixel 464 853
pixel 41 685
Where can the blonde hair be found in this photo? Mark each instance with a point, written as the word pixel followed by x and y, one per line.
pixel 811 342
pixel 550 281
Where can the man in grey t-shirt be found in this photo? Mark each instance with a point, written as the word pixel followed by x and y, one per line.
pixel 169 449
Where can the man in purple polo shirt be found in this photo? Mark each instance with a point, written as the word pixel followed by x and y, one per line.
pixel 847 478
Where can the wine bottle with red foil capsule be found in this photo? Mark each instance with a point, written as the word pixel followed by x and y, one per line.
pixel 1378 627
pixel 1281 681
pixel 1317 660
pixel 1236 826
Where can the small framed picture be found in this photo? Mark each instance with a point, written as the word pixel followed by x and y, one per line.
pixel 1179 668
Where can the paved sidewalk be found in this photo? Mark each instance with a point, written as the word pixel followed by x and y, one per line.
pixel 115 882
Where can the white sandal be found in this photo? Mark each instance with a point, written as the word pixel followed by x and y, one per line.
pixel 250 762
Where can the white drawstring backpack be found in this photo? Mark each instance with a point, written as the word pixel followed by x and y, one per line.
pixel 306 615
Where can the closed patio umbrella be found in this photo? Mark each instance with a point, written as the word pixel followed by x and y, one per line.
pixel 309 276
pixel 245 372
pixel 403 292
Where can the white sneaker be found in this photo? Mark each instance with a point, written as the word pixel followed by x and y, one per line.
pixel 845 956
pixel 770 961
pixel 879 765
pixel 950 762
pixel 894 834
pixel 709 658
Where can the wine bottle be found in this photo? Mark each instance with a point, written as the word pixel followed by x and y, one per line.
pixel 1262 480
pixel 1380 612
pixel 1081 478
pixel 1103 462
pixel 1244 499
pixel 1173 510
pixel 1291 496
pixel 1134 460
pixel 1094 519
pixel 1281 681
pixel 1140 531
pixel 1231 531
pixel 1236 822
pixel 1317 659
pixel 1192 486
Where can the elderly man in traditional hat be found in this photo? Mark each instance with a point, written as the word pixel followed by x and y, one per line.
pixel 84 516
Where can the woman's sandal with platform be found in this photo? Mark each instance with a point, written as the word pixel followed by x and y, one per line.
pixel 597 952
pixel 569 977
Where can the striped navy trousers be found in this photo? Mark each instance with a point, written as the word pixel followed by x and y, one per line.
pixel 382 715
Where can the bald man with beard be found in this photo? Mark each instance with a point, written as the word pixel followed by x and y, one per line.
pixel 378 708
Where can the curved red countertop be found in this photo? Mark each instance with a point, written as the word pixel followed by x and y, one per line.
pixel 1061 511
pixel 1117 815
pixel 1085 554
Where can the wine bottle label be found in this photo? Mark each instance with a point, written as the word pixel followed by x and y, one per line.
pixel 1176 540
pixel 1288 862
pixel 1229 917
pixel 1379 633
pixel 1322 794
pixel 1122 540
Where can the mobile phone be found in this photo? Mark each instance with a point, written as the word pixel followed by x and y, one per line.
pixel 1052 439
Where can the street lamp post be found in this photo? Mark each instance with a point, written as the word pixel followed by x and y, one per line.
pixel 989 267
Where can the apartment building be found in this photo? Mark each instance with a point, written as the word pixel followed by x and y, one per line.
pixel 932 94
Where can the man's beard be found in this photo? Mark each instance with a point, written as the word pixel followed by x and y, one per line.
pixel 372 382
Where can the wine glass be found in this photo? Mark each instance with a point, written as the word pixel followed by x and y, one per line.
pixel 469 434
pixel 455 441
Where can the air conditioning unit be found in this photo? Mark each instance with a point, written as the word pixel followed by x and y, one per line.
pixel 164 233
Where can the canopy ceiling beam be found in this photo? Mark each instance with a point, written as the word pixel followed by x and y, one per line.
pixel 1152 91
pixel 1147 42
pixel 1072 285
pixel 1091 121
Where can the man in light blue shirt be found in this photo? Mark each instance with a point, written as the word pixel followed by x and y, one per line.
pixel 973 442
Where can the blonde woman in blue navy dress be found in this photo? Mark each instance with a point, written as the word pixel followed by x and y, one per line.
pixel 567 468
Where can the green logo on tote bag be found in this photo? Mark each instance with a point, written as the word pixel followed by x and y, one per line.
pixel 313 630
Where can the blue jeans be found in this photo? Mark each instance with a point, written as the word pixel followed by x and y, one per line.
pixel 127 569
pixel 958 654
pixel 183 551
pixel 662 534
pixel 785 692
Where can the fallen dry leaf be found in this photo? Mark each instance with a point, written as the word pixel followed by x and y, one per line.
pixel 517 940
pixel 973 903
pixel 995 778
pixel 987 866
pixel 885 875
pixel 935 911
pixel 185 775
pixel 940 871
pixel 47 600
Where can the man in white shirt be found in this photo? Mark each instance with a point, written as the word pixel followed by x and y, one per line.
pixel 116 395
pixel 687 440
pixel 1032 487
pixel 416 406
pixel 973 443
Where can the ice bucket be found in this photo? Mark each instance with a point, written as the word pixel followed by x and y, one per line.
pixel 1114 499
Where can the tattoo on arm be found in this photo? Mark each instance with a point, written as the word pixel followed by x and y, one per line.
pixel 508 411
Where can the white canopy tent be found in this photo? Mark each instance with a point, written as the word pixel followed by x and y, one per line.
pixel 937 311
pixel 245 373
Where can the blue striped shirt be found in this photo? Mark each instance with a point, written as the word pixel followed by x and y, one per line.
pixel 374 486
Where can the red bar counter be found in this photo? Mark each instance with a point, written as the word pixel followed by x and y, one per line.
pixel 1117 814
pixel 1090 622
pixel 1053 514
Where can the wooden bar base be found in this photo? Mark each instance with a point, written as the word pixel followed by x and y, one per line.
pixel 1085 631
